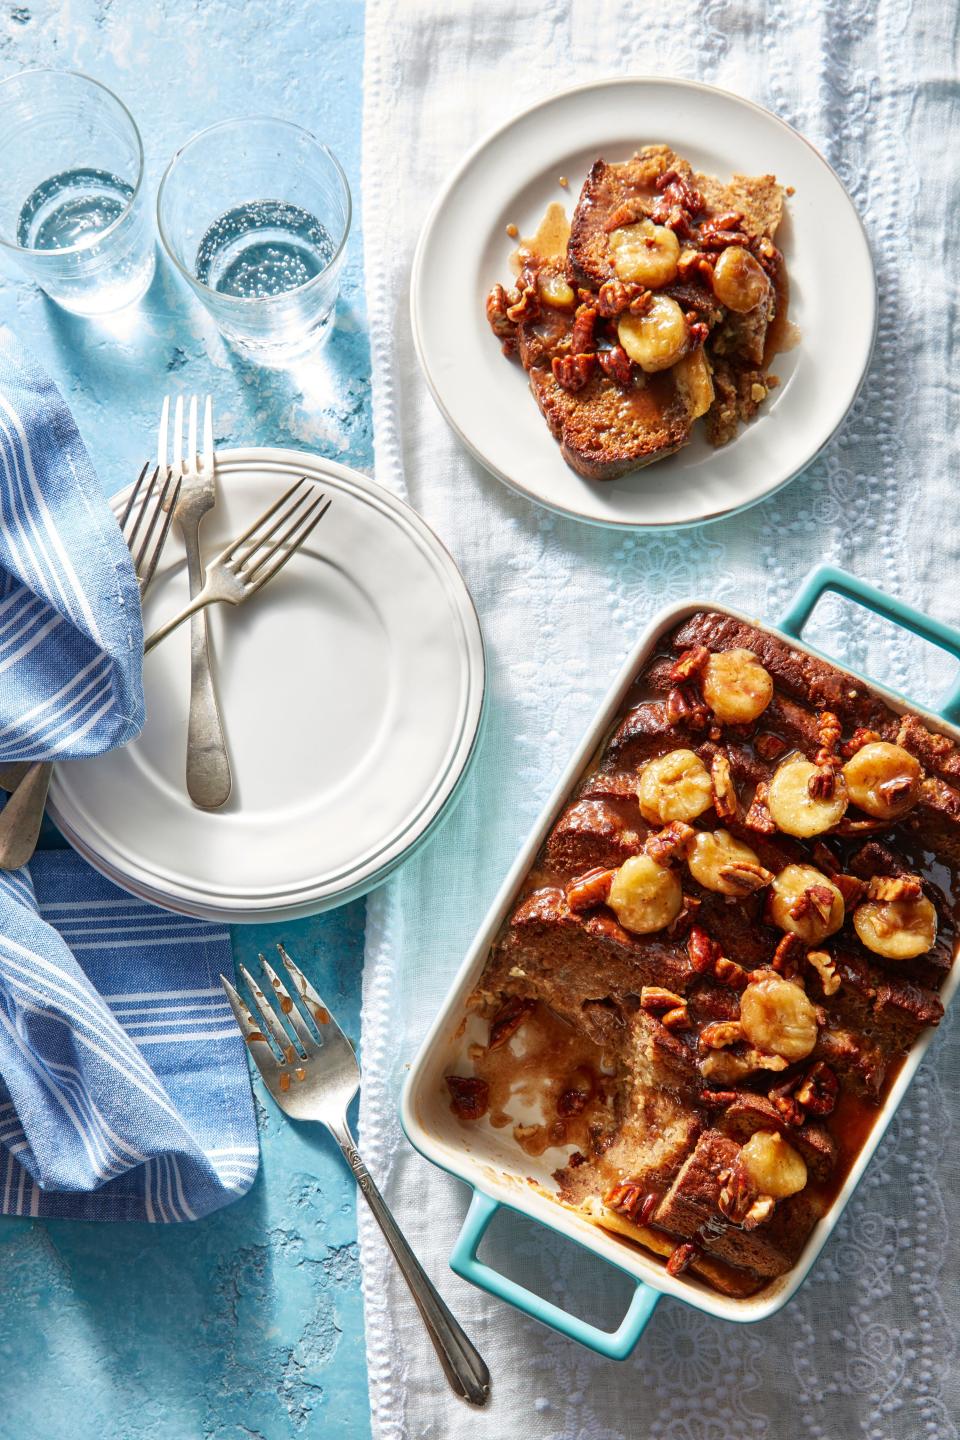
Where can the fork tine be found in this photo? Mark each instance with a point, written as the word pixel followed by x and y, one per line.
pixel 322 1018
pixel 133 498
pixel 287 546
pixel 208 457
pixel 154 509
pixel 192 435
pixel 284 519
pixel 145 570
pixel 143 510
pixel 257 1042
pixel 162 433
pixel 290 1009
pixel 268 514
pixel 177 456
pixel 271 1023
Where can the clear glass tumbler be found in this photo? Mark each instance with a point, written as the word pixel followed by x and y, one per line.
pixel 73 214
pixel 255 214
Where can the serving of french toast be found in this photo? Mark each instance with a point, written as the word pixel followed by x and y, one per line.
pixel 661 303
pixel 738 925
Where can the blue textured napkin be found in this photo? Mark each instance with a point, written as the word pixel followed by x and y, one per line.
pixel 124 1090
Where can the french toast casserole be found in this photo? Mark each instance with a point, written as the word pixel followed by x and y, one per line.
pixel 662 301
pixel 734 932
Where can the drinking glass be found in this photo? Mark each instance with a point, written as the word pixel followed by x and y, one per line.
pixel 255 214
pixel 73 213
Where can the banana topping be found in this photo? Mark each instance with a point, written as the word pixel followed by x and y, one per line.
pixel 897 929
pixel 777 1016
pixel 736 686
pixel 804 902
pixel 675 786
pixel 646 253
pixel 795 805
pixel 555 290
pixel 644 896
pixel 719 862
pixel 739 281
pixel 883 780
pixel 771 1165
pixel 657 338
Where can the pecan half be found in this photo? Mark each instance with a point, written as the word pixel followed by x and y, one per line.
pixel 691 663
pixel 572 372
pixel 858 739
pixel 615 296
pixel 721 1033
pixel 852 889
pixel 592 888
pixel 724 794
pixel 681 1257
pixel 728 972
pixel 500 323
pixel 685 707
pixel 628 213
pixel 670 843
pixel 469 1096
pixel 786 957
pixel 758 817
pixel 818 1090
pixel 616 365
pixel 629 1198
pixel 508 1020
pixel 739 1202
pixel 676 1019
pixel 678 203
pixel 681 924
pixel 817 899
pixel 895 887
pixel 526 306
pixel 693 265
pixel 581 337
pixel 656 1000
pixel 702 950
pixel 745 876
pixel 825 967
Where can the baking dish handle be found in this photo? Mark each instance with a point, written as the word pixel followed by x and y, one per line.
pixel 614 1344
pixel 827 578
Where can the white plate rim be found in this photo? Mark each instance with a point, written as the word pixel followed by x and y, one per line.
pixel 417 288
pixel 312 897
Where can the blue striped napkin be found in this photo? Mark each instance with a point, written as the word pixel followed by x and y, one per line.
pixel 124 1089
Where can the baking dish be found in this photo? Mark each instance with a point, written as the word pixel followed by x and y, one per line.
pixel 490 1162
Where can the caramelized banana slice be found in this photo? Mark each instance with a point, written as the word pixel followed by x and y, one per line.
pixel 804 902
pixel 897 929
pixel 793 809
pixel 739 281
pixel 883 779
pixel 736 686
pixel 657 338
pixel 675 786
pixel 644 896
pixel 719 862
pixel 646 253
pixel 777 1016
pixel 771 1165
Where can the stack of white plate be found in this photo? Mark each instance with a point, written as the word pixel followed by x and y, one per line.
pixel 352 691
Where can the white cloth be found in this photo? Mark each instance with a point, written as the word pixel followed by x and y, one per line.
pixel 867 1348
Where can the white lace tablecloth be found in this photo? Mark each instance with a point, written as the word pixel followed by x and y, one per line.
pixel 868 1348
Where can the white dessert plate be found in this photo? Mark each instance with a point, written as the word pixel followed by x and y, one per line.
pixel 510 178
pixel 352 691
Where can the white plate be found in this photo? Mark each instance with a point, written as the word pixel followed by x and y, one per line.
pixel 351 689
pixel 510 178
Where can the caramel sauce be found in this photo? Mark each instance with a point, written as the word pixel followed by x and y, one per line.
pixel 545 1061
pixel 548 241
pixel 782 334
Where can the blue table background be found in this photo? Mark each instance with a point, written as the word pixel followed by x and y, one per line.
pixel 248 1324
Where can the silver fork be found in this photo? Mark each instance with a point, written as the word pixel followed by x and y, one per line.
pixel 312 1073
pixel 209 781
pixel 146 534
pixel 256 556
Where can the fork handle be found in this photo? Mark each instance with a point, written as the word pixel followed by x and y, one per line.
pixel 207 596
pixel 462 1365
pixel 209 781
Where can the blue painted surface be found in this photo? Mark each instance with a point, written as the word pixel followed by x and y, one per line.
pixel 248 1324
